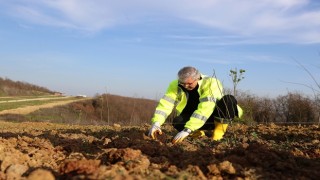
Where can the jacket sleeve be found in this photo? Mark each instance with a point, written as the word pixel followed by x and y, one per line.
pixel 211 90
pixel 166 103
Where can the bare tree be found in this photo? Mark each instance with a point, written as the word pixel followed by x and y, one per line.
pixel 108 109
pixel 316 91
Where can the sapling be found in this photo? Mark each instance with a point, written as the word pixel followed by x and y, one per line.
pixel 236 78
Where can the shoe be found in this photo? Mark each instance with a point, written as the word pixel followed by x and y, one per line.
pixel 197 134
pixel 219 131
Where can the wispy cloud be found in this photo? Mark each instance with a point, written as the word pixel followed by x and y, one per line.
pixel 266 59
pixel 263 21
pixel 217 61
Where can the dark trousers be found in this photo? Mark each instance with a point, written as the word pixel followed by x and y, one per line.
pixel 225 110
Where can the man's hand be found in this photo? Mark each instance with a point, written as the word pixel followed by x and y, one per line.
pixel 181 136
pixel 155 129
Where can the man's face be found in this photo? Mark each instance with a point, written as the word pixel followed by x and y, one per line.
pixel 189 83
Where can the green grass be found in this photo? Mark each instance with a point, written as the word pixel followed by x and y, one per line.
pixel 42 118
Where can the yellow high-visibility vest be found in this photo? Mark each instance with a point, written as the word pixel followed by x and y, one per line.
pixel 210 90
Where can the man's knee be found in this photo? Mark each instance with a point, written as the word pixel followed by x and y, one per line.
pixel 227 107
pixel 229 99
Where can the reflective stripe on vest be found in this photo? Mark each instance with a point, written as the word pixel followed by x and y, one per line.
pixel 161 113
pixel 169 99
pixel 198 116
pixel 206 99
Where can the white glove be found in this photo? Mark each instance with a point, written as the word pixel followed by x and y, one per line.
pixel 155 129
pixel 181 136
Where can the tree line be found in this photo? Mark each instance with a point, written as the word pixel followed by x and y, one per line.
pixel 293 107
pixel 9 87
pixel 290 108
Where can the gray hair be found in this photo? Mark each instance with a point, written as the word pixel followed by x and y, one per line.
pixel 187 72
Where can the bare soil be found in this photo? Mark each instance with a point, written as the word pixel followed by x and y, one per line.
pixel 55 151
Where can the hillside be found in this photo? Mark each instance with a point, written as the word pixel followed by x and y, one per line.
pixel 104 109
pixel 292 108
pixel 21 101
pixel 9 87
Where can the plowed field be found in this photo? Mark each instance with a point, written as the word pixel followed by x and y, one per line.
pixel 55 151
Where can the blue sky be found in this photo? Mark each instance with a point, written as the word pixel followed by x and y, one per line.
pixel 135 47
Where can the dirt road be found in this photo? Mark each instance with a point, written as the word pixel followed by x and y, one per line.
pixel 32 99
pixel 30 109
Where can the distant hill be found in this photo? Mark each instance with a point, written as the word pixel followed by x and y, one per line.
pixel 9 87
